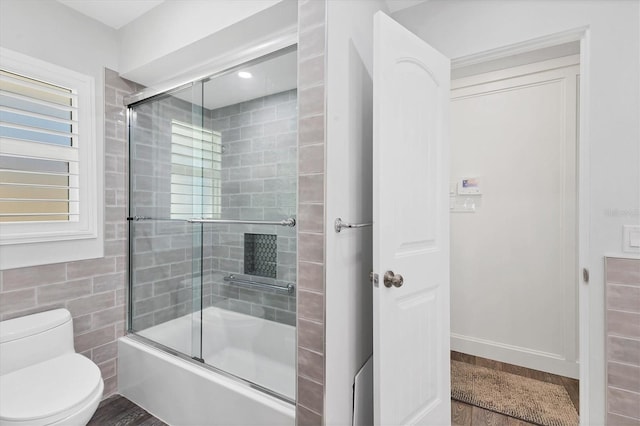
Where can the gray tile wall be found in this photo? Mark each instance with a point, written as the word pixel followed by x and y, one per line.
pixel 259 182
pixel 311 212
pixel 258 178
pixel 93 290
pixel 623 341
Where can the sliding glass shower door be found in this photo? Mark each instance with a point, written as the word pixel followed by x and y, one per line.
pixel 167 164
pixel 212 223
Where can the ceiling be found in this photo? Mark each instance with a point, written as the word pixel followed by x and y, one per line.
pixel 114 13
pixel 396 5
pixel 274 75
pixel 118 13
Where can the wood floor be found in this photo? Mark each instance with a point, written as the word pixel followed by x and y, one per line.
pixel 467 415
pixel 119 411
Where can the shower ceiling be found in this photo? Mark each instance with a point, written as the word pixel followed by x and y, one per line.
pixel 271 76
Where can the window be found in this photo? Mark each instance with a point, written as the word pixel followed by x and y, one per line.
pixel 195 172
pixel 39 156
pixel 49 174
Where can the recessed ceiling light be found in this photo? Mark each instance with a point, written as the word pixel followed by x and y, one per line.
pixel 245 74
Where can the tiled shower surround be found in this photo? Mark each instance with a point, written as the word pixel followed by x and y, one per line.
pixel 258 180
pixel 311 211
pixel 623 341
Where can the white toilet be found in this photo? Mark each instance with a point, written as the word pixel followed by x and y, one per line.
pixel 43 381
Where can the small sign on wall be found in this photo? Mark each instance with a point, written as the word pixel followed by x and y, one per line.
pixel 465 195
pixel 469 186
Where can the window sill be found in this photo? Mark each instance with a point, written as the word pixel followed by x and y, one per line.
pixel 42 253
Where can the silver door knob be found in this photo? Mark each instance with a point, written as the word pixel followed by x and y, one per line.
pixel 391 279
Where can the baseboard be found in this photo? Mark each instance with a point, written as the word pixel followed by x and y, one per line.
pixel 525 357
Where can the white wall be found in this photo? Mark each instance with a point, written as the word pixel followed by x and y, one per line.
pixel 462 27
pixel 349 327
pixel 52 32
pixel 49 31
pixel 181 38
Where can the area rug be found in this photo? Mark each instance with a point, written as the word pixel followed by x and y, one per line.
pixel 527 399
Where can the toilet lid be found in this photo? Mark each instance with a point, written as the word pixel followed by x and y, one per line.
pixel 49 391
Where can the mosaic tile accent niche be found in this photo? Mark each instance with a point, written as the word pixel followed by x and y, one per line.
pixel 261 255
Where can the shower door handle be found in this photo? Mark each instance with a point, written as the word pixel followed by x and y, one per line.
pixel 391 279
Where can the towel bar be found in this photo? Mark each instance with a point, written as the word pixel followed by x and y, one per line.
pixel 338 225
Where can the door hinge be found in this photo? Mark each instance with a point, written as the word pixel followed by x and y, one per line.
pixel 585 275
pixel 373 277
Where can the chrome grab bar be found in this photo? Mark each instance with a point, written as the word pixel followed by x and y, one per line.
pixel 339 225
pixel 290 221
pixel 289 288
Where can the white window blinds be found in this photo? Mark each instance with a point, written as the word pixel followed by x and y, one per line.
pixel 39 171
pixel 195 172
pixel 51 163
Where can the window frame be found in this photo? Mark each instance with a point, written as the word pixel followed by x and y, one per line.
pixel 36 243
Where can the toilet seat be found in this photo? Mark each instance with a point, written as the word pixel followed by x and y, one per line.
pixel 50 391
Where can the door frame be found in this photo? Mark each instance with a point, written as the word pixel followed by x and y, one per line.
pixel 581 35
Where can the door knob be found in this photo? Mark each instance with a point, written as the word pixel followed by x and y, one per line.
pixel 391 279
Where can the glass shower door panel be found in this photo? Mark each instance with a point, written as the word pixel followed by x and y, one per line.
pixel 249 315
pixel 165 248
pixel 161 283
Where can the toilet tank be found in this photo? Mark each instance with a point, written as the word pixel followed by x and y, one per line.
pixel 31 339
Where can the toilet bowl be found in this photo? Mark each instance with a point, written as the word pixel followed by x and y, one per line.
pixel 43 381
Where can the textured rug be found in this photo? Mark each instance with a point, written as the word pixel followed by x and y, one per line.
pixel 527 399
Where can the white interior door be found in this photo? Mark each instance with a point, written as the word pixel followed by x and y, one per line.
pixel 411 228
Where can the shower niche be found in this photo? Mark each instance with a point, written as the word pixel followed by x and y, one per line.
pixel 261 255
pixel 212 209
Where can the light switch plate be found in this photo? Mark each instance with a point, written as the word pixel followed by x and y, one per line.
pixel 631 239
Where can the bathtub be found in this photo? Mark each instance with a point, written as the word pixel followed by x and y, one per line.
pixel 181 392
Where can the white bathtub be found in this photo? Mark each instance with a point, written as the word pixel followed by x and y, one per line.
pixel 183 393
